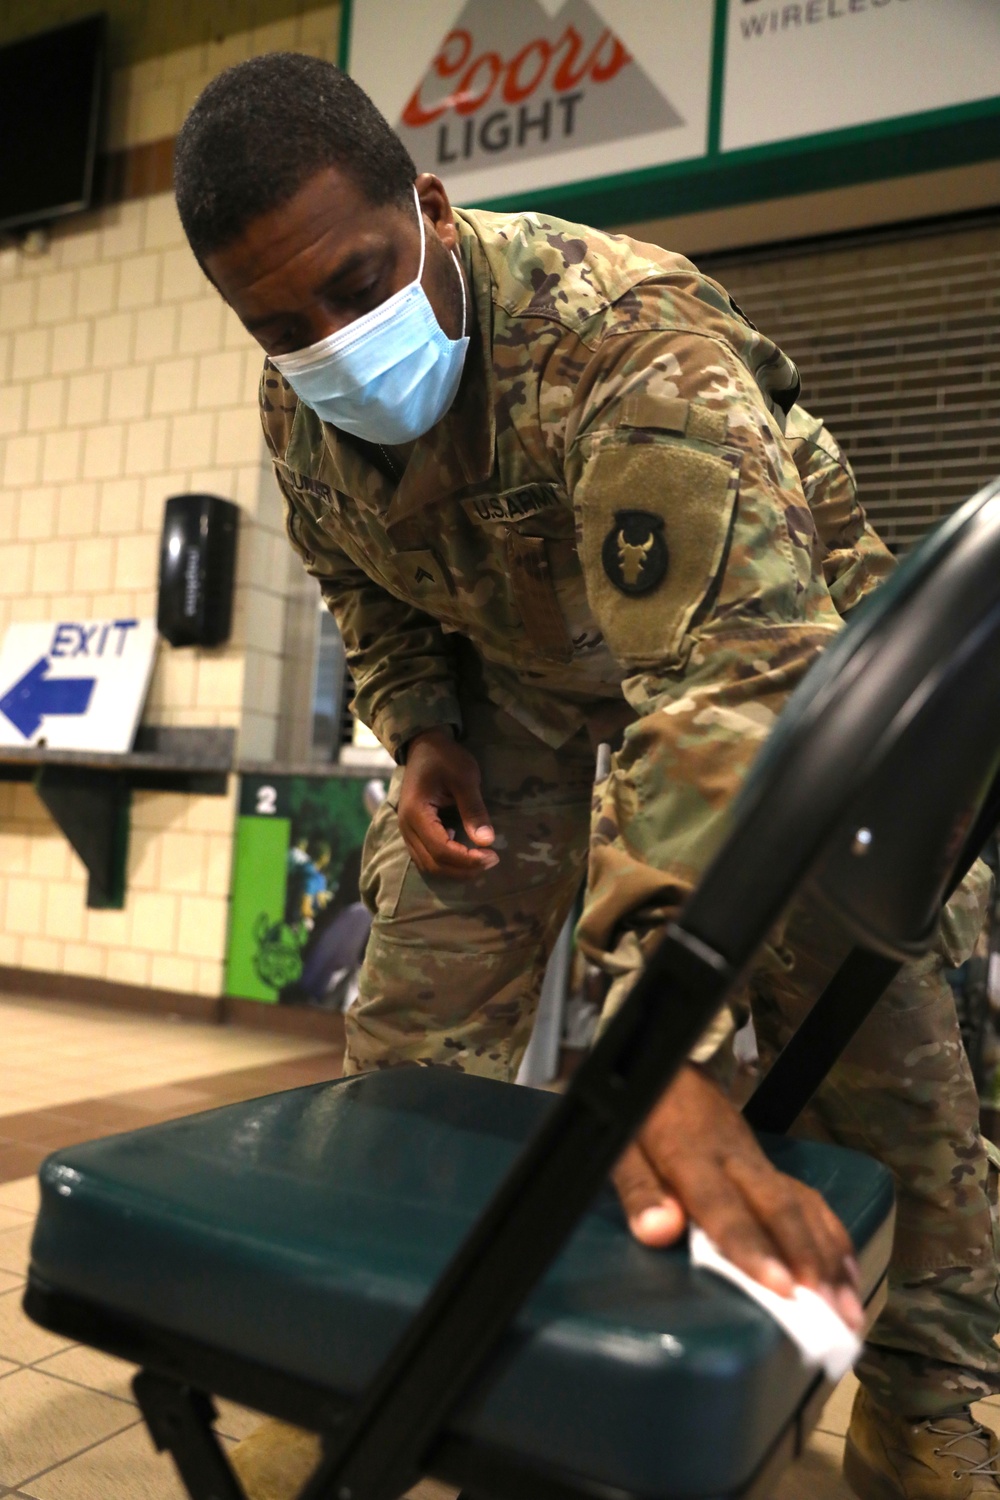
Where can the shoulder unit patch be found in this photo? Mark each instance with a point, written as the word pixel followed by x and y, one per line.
pixel 634 553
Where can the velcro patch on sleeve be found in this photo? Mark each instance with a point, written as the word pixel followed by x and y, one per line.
pixel 664 414
pixel 656 517
pixel 691 419
pixel 705 423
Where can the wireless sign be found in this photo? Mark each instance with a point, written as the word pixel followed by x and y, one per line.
pixel 75 684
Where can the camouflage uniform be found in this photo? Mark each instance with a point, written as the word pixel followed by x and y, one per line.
pixel 561 560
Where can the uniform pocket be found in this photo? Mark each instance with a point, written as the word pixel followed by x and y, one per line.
pixel 385 858
pixel 533 588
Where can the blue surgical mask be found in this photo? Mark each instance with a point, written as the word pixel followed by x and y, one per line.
pixel 390 374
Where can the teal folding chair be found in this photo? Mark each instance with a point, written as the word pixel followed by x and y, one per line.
pixel 428 1270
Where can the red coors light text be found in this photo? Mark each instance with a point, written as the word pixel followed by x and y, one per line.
pixel 560 67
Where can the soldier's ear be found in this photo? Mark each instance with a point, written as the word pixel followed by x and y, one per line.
pixel 436 205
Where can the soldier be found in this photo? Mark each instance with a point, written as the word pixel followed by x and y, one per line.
pixel 511 450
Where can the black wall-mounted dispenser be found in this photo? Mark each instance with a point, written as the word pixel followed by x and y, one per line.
pixel 197 567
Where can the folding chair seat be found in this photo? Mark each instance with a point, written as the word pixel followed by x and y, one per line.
pixel 301 1232
pixel 425 1267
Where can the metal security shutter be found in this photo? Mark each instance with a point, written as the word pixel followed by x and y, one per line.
pixel 897 339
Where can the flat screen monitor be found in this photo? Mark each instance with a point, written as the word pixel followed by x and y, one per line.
pixel 51 88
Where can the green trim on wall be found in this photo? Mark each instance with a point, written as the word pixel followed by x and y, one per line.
pixel 893 127
pixel 344 50
pixel 718 75
pixel 141 29
pixel 922 143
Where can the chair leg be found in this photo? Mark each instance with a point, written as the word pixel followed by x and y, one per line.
pixel 180 1420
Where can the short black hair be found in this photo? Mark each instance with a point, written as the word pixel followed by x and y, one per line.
pixel 261 129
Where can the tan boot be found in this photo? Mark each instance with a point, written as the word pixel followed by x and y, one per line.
pixel 888 1457
pixel 274 1462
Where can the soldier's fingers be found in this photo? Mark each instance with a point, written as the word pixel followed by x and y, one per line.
pixel 846 1293
pixel 472 811
pixel 715 1202
pixel 841 1287
pixel 456 859
pixel 839 1236
pixel 448 855
pixel 810 1240
pixel 417 840
pixel 412 841
pixel 417 853
pixel 813 1245
pixel 654 1215
pixel 435 853
pixel 424 823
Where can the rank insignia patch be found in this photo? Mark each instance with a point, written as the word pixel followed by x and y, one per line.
pixel 634 553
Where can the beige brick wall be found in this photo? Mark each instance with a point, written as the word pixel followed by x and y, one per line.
pixel 149 100
pixel 125 379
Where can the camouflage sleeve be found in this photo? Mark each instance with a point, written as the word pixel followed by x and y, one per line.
pixel 698 551
pixel 855 559
pixel 399 658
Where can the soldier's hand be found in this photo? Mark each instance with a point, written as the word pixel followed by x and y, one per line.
pixel 442 786
pixel 695 1157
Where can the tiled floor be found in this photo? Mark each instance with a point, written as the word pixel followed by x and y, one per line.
pixel 69 1427
pixel 54 1053
pixel 69 1073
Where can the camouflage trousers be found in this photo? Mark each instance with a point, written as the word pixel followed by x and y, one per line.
pixel 903 1092
pixel 454 968
pixel 453 973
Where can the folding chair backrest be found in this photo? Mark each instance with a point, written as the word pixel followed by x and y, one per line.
pixel 881 759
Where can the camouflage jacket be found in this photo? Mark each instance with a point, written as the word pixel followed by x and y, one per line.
pixel 609 509
pixel 852 556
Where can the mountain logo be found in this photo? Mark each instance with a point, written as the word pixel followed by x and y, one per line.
pixel 508 83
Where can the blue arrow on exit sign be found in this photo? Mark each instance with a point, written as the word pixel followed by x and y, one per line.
pixel 36 695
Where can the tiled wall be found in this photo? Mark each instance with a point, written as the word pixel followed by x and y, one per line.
pixel 125 379
pixel 149 101
pixel 172 931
